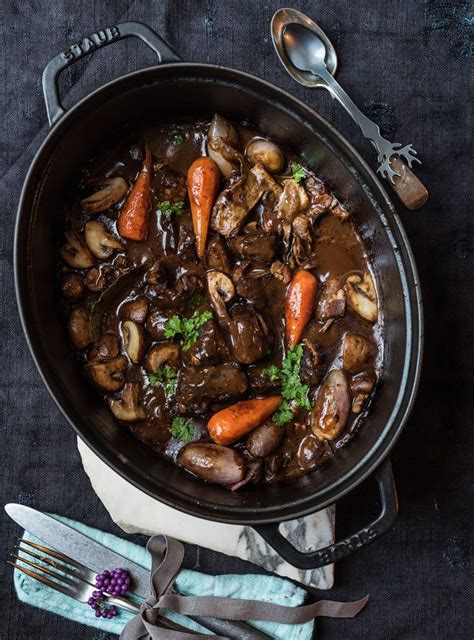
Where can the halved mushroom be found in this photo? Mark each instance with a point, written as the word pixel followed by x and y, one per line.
pixel 79 328
pixel 221 131
pixel 108 375
pixel 101 243
pixel 95 280
pixel 112 191
pixel 75 253
pixel 135 310
pixel 72 286
pixel 159 354
pixel 128 408
pixel 361 296
pixel 133 340
pixel 260 150
pixel 221 290
pixel 358 352
pixel 331 409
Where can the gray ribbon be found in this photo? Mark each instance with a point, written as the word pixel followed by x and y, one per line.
pixel 167 556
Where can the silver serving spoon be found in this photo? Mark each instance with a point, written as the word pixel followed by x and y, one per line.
pixel 310 58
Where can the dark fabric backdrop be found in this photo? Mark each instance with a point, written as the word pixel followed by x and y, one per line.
pixel 407 63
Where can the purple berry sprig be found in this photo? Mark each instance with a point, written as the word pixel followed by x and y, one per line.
pixel 112 583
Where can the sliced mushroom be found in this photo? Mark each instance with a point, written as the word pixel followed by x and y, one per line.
pixel 105 348
pixel 135 310
pixel 108 375
pixel 221 290
pixel 361 296
pixel 281 271
pixel 79 328
pixel 266 153
pixel 72 286
pixel 101 243
pixel 361 386
pixel 128 408
pixel 95 280
pixel 133 340
pixel 221 131
pixel 331 409
pixel 213 462
pixel 358 352
pixel 75 253
pixel 160 354
pixel 112 191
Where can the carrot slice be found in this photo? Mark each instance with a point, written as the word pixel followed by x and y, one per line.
pixel 235 421
pixel 133 219
pixel 203 183
pixel 299 305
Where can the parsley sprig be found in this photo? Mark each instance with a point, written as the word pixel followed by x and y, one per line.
pixel 299 172
pixel 166 377
pixel 169 209
pixel 176 136
pixel 294 392
pixel 186 328
pixel 182 429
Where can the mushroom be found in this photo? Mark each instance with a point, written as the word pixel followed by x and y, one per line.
pixel 260 150
pixel 133 340
pixel 112 191
pixel 159 354
pixel 79 328
pixel 108 375
pixel 105 348
pixel 72 286
pixel 361 296
pixel 128 408
pixel 135 310
pixel 264 439
pixel 101 243
pixel 331 409
pixel 358 352
pixel 75 253
pixel 311 452
pixel 221 290
pixel 95 280
pixel 213 462
pixel 221 133
pixel 361 386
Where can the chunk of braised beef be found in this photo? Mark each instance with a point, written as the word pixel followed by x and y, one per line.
pixel 155 323
pixel 168 185
pixel 332 303
pixel 157 274
pixel 250 335
pixel 259 382
pixel 312 368
pixel 189 285
pixel 185 247
pixel 198 388
pixel 258 246
pixel 217 256
pixel 210 347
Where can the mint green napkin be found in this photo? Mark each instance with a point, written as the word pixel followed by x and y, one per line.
pixel 268 588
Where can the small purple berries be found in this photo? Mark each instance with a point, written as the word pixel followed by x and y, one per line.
pixel 108 583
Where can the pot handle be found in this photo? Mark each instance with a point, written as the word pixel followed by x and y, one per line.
pixel 343 548
pixel 91 43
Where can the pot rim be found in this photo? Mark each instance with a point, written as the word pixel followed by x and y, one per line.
pixel 413 315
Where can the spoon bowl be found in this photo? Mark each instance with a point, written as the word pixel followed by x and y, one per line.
pixel 304 48
pixel 283 25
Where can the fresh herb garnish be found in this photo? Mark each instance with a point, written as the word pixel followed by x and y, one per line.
pixel 299 172
pixel 182 429
pixel 168 208
pixel 166 377
pixel 187 328
pixel 176 136
pixel 197 300
pixel 294 392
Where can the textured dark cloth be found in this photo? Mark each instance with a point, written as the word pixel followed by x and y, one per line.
pixel 408 65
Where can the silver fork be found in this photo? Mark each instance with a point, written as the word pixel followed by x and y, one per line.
pixel 71 578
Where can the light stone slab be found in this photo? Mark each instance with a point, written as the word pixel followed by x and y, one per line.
pixel 136 512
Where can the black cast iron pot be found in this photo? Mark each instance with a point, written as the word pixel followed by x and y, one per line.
pixel 275 113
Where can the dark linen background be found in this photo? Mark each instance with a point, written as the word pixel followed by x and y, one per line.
pixel 407 63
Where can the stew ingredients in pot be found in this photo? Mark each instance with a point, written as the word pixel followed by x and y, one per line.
pixel 220 298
